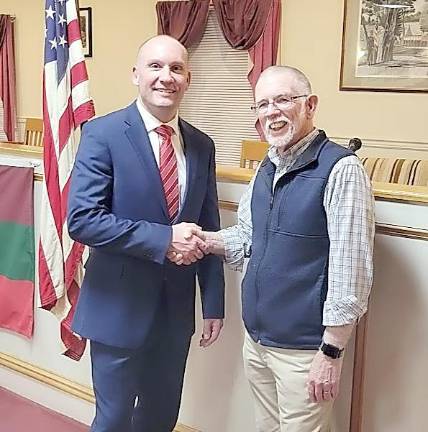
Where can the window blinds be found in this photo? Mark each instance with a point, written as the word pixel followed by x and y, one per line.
pixel 219 97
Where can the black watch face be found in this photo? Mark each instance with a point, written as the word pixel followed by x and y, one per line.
pixel 331 351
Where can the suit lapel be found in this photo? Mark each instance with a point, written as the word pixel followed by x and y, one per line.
pixel 139 139
pixel 191 152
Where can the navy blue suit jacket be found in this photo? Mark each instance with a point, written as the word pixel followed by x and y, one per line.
pixel 117 207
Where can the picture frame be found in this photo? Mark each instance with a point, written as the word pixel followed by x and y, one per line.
pixel 385 46
pixel 85 16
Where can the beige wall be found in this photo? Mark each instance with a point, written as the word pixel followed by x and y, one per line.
pixel 118 29
pixel 29 53
pixel 311 39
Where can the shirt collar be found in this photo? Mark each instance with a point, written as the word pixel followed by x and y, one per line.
pixel 293 152
pixel 151 122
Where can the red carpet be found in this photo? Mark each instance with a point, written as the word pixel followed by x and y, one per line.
pixel 18 414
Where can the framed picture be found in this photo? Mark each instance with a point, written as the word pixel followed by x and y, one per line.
pixel 85 15
pixel 385 46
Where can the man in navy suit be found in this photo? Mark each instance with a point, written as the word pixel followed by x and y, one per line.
pixel 143 185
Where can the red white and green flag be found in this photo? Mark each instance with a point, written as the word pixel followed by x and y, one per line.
pixel 16 249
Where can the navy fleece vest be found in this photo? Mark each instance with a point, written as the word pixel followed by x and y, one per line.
pixel 285 285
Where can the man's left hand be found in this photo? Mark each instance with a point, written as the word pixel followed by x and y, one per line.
pixel 211 331
pixel 324 378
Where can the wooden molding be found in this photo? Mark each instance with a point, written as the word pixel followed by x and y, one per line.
pixel 46 377
pixel 357 396
pixel 402 231
pixel 58 382
pixel 233 174
pixel 228 205
pixel 182 428
pixel 401 193
pixel 19 149
pixel 382 191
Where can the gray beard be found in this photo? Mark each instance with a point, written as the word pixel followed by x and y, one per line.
pixel 281 143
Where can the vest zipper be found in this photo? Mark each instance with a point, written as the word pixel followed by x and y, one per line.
pixel 272 198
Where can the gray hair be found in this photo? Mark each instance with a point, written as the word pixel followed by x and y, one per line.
pixel 301 79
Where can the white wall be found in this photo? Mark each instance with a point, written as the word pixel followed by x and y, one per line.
pixel 396 391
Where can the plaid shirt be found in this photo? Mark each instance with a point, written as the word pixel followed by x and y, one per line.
pixel 349 207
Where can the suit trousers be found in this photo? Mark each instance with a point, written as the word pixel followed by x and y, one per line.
pixel 278 381
pixel 139 390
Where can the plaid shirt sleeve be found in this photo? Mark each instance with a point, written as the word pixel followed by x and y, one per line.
pixel 349 205
pixel 237 238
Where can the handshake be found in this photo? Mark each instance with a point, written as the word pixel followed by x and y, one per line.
pixel 189 244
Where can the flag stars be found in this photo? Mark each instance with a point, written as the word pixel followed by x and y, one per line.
pixel 53 43
pixel 62 41
pixel 61 20
pixel 50 12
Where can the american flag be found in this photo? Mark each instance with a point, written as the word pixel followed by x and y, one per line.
pixel 66 105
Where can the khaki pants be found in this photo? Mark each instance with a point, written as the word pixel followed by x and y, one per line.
pixel 278 380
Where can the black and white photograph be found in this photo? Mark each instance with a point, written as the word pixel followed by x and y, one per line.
pixel 85 15
pixel 385 45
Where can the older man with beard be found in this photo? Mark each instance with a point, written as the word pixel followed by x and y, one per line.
pixel 307 224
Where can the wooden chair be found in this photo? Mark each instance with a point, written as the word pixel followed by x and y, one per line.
pixel 33 132
pixel 252 152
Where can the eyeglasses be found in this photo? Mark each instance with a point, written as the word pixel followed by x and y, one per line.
pixel 281 102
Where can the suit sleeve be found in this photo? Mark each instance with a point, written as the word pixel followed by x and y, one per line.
pixel 210 270
pixel 90 220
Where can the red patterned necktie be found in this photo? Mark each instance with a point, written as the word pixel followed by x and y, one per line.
pixel 168 170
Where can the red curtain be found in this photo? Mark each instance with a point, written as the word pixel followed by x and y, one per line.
pixel 242 22
pixel 251 25
pixel 265 52
pixel 183 20
pixel 8 76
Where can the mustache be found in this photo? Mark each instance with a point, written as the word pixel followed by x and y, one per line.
pixel 276 120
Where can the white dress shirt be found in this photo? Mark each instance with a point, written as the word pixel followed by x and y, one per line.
pixel 151 123
pixel 349 207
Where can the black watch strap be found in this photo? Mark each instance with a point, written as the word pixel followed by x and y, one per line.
pixel 331 351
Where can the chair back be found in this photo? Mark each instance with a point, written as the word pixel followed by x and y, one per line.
pixel 411 172
pixel 252 152
pixel 33 132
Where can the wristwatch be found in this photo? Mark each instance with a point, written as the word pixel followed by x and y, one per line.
pixel 331 351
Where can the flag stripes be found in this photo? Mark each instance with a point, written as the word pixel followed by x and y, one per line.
pixel 66 105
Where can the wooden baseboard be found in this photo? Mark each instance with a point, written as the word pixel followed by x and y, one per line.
pixel 182 428
pixel 48 378
pixel 59 382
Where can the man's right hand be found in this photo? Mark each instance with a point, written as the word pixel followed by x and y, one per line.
pixel 187 244
pixel 213 244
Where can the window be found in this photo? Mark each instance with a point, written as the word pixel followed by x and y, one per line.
pixel 3 136
pixel 20 127
pixel 219 97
